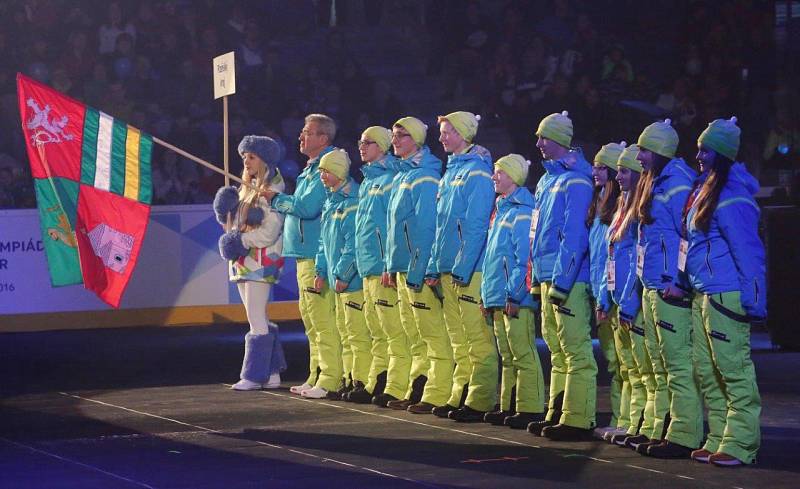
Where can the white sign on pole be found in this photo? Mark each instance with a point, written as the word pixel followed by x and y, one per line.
pixel 224 75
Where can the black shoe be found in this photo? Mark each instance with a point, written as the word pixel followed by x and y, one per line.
pixel 339 395
pixel 334 395
pixel 563 432
pixel 536 427
pixel 359 395
pixel 520 421
pixel 633 442
pixel 667 449
pixel 642 448
pixel 497 417
pixel 357 386
pixel 619 440
pixel 467 415
pixel 443 411
pixel 381 400
pixel 417 387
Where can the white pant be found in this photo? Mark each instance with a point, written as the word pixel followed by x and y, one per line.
pixel 255 296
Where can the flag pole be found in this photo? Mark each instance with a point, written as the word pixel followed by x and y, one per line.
pixel 200 161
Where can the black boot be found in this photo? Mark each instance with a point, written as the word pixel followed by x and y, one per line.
pixel 417 387
pixel 464 393
pixel 667 449
pixel 380 384
pixel 337 394
pixel 443 411
pixel 563 432
pixel 537 427
pixel 497 417
pixel 520 421
pixel 467 415
pixel 359 394
pixel 381 400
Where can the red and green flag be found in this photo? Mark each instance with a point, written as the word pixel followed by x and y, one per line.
pixel 92 177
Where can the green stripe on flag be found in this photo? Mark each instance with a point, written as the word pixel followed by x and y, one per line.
pixel 57 221
pixel 145 173
pixel 118 136
pixel 91 125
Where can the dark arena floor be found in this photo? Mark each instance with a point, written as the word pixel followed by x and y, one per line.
pixel 152 408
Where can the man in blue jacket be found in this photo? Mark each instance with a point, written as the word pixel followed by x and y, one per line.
pixel 380 303
pixel 301 241
pixel 410 234
pixel 463 209
pixel 560 263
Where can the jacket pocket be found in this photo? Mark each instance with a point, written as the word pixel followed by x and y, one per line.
pixel 505 268
pixel 380 241
pixel 408 239
pixel 664 254
pixel 708 259
pixel 302 232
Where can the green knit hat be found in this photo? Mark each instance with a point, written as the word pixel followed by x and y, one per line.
pixel 415 127
pixel 465 123
pixel 627 158
pixel 336 162
pixel 660 138
pixel 609 154
pixel 515 166
pixel 381 136
pixel 557 127
pixel 722 135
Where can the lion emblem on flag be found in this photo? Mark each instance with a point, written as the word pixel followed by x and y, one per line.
pixel 44 129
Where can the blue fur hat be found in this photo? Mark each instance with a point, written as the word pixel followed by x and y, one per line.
pixel 265 147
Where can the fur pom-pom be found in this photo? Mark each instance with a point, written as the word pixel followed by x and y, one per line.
pixel 226 200
pixel 231 246
pixel 255 216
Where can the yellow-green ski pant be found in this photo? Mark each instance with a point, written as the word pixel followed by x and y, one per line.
pixel 638 368
pixel 318 311
pixel 473 344
pixel 653 413
pixel 566 330
pixel 708 379
pixel 418 349
pixel 618 390
pixel 661 395
pixel 359 341
pixel 427 311
pixel 728 334
pixel 673 326
pixel 389 343
pixel 516 341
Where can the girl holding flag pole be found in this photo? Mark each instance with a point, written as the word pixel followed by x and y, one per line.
pixel 253 247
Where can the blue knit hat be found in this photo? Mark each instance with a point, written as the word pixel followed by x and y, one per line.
pixel 264 147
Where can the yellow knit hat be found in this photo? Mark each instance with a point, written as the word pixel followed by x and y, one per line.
pixel 660 138
pixel 415 127
pixel 465 123
pixel 627 158
pixel 557 127
pixel 381 136
pixel 722 135
pixel 336 162
pixel 515 166
pixel 609 154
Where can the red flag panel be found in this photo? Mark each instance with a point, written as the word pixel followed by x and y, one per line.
pixel 110 230
pixel 53 124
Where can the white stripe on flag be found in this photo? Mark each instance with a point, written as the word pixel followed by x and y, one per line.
pixel 102 175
